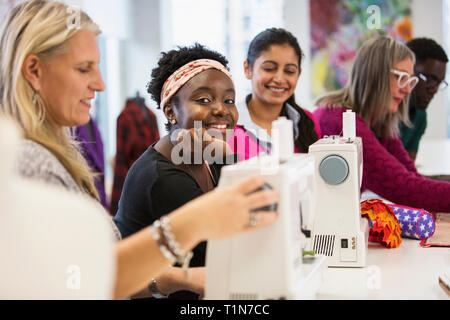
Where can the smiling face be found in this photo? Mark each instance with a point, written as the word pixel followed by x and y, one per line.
pixel 208 97
pixel 424 92
pixel 397 93
pixel 274 75
pixel 69 81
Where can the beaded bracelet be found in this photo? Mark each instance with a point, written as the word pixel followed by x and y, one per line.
pixel 182 258
pixel 173 244
pixel 164 250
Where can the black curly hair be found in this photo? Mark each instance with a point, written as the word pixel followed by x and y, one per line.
pixel 278 36
pixel 171 61
pixel 425 48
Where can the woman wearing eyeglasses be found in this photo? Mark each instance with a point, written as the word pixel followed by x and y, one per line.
pixel 378 91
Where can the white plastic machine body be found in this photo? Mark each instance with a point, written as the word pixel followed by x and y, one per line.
pixel 339 232
pixel 267 263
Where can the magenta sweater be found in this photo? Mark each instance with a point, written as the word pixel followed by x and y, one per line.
pixel 388 170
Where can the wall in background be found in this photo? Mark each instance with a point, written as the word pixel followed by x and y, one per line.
pixel 297 22
pixel 427 19
pixel 130 45
pixel 140 52
pixel 136 31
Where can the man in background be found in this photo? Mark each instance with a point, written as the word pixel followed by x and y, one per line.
pixel 430 68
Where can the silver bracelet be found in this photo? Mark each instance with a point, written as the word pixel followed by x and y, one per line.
pixel 182 258
pixel 164 250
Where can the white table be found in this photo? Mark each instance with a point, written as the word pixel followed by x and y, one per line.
pixel 406 272
pixel 433 157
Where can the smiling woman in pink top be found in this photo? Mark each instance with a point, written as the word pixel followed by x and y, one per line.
pixel 273 66
pixel 378 92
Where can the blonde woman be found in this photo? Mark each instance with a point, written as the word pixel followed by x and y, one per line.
pixel 378 91
pixel 48 76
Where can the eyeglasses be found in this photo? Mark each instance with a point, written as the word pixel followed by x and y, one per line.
pixel 404 79
pixel 432 82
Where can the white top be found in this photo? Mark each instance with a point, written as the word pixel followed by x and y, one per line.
pixel 258 133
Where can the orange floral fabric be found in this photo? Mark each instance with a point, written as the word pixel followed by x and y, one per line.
pixel 385 227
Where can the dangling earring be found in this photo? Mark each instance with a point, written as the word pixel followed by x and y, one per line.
pixel 39 106
pixel 173 121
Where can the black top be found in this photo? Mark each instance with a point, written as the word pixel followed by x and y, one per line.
pixel 155 187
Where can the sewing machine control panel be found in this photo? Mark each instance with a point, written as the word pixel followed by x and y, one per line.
pixel 348 251
pixel 336 140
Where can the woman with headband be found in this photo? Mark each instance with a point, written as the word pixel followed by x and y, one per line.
pixel 194 89
pixel 48 75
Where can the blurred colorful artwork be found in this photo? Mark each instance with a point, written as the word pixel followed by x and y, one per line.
pixel 339 27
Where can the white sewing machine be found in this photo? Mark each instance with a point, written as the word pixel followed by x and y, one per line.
pixel 268 263
pixel 339 232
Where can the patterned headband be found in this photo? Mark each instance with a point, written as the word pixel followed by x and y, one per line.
pixel 186 73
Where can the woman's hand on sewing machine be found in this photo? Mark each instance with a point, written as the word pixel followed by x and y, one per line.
pixel 229 208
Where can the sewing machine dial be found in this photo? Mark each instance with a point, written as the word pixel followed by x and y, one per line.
pixel 334 170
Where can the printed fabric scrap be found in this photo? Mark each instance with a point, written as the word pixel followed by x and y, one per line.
pixel 415 223
pixel 384 225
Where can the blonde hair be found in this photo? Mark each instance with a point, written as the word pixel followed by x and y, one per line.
pixel 368 92
pixel 42 28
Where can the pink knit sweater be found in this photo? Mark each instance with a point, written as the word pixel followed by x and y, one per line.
pixel 388 169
